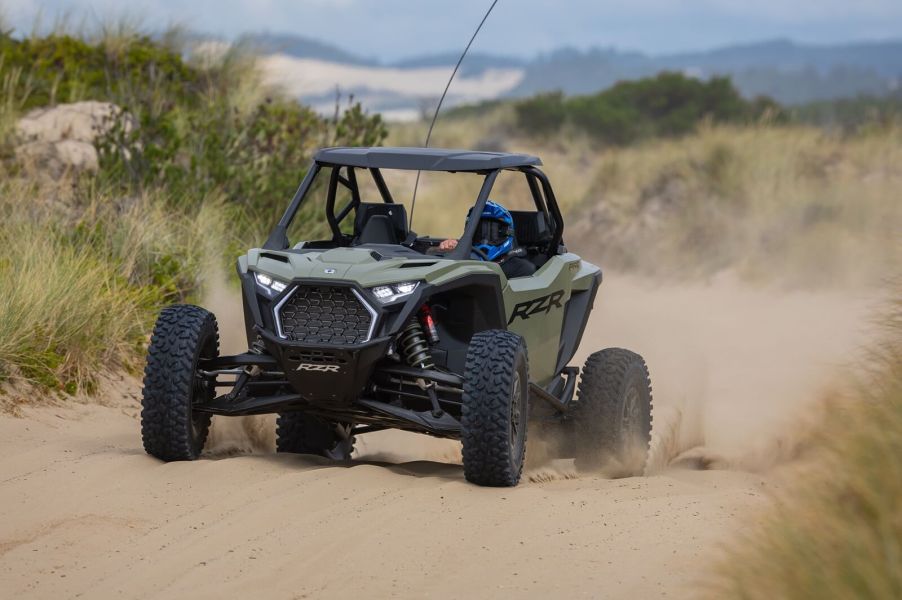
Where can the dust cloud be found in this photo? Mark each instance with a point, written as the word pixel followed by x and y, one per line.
pixel 737 371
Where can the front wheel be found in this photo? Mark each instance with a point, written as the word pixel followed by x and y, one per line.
pixel 612 417
pixel 495 408
pixel 170 427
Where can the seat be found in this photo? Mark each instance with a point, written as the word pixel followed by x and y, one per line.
pixel 518 267
pixel 379 229
pixel 533 234
pixel 380 223
pixel 531 228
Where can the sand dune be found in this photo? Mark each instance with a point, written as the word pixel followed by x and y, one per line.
pixel 83 512
pixel 400 90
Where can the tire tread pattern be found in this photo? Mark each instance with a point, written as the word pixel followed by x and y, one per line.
pixel 167 419
pixel 597 413
pixel 485 420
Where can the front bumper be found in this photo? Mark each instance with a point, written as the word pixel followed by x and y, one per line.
pixel 333 375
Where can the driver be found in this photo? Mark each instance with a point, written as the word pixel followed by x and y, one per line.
pixel 495 239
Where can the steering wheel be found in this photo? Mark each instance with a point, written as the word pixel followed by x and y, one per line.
pixel 478 254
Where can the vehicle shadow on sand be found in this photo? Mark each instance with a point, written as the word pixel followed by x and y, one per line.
pixel 307 462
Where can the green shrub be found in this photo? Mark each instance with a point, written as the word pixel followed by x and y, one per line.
pixel 668 105
pixel 542 113
pixel 204 127
pixel 62 68
pixel 256 160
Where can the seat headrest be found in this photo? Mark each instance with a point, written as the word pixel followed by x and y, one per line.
pixel 530 227
pixel 395 212
pixel 379 229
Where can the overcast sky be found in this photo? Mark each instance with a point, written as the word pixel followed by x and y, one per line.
pixel 390 29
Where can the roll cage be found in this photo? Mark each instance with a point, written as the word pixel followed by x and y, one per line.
pixel 341 166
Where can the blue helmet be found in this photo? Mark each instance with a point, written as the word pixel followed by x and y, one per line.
pixel 495 232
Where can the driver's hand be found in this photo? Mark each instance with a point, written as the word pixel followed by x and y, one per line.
pixel 447 245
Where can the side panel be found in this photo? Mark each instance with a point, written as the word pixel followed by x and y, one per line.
pixel 535 309
pixel 577 311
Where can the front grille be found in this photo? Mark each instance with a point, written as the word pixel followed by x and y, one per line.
pixel 318 357
pixel 324 315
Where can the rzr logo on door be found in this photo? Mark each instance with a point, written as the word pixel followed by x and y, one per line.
pixel 318 368
pixel 540 305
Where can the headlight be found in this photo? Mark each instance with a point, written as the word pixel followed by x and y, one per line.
pixel 268 286
pixel 394 291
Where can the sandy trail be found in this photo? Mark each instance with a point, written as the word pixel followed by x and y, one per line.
pixel 84 513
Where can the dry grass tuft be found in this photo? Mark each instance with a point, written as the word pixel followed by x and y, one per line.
pixel 837 531
pixel 773 203
pixel 82 283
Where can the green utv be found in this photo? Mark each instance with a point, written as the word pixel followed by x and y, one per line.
pixel 375 328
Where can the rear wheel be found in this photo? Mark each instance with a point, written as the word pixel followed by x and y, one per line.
pixel 495 408
pixel 300 433
pixel 612 416
pixel 170 427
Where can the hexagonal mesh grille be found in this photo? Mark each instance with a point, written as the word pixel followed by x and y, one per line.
pixel 325 315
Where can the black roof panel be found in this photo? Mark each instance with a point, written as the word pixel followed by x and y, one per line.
pixel 423 159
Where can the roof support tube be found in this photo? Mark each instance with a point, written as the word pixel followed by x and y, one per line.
pixel 278 239
pixel 550 199
pixel 383 189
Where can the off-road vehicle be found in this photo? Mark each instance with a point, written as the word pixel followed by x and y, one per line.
pixel 373 328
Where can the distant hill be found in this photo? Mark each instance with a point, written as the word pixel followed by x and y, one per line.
pixel 882 57
pixel 475 62
pixel 304 47
pixel 789 72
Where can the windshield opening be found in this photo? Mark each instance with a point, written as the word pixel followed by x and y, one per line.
pixel 345 207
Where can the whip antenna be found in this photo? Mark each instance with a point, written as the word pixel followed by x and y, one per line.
pixel 416 184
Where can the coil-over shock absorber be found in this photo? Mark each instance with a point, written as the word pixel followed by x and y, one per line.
pixel 413 346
